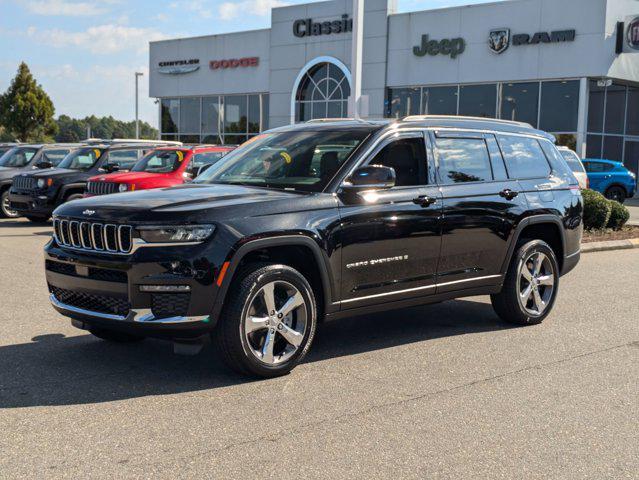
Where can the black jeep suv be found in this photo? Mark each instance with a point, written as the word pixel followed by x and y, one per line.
pixel 20 159
pixel 35 195
pixel 319 221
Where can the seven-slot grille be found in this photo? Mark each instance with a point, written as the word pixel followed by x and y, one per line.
pixel 99 237
pixel 24 183
pixel 102 188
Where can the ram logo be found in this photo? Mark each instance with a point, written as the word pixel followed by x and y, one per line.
pixel 499 40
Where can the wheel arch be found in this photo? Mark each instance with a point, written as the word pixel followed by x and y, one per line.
pixel 71 189
pixel 255 249
pixel 534 225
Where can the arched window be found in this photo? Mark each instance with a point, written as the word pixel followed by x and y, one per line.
pixel 322 92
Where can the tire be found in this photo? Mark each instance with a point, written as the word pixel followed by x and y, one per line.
pixel 243 343
pixel 5 211
pixel 539 293
pixel 36 219
pixel 616 193
pixel 115 336
pixel 73 196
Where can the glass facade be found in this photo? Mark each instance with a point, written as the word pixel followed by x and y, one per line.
pixel 550 105
pixel 613 123
pixel 218 119
pixel 322 93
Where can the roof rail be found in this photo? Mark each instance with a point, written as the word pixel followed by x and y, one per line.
pixel 321 120
pixel 417 118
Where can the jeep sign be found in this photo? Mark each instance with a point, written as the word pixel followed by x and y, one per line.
pixel 447 47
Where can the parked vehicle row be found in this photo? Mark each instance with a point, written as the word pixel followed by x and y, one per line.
pixel 40 178
pixel 318 221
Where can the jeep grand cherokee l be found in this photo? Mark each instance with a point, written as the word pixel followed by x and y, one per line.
pixel 164 167
pixel 320 221
pixel 27 158
pixel 35 195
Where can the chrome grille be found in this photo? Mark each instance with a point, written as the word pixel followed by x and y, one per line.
pixel 24 183
pixel 93 236
pixel 102 188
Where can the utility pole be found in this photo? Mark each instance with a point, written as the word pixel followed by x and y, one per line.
pixel 137 116
pixel 354 104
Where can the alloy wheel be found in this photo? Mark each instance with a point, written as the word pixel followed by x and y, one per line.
pixel 535 283
pixel 275 323
pixel 6 207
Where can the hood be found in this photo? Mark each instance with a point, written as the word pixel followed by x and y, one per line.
pixel 53 173
pixel 9 172
pixel 176 202
pixel 126 177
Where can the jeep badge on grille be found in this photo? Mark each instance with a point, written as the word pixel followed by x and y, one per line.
pixel 88 212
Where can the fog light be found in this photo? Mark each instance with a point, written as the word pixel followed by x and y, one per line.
pixel 164 288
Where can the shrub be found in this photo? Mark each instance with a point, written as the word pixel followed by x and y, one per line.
pixel 596 210
pixel 619 215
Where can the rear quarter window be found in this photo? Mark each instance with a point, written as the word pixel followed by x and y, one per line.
pixel 524 157
pixel 463 160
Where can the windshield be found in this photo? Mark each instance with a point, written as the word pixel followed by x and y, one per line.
pixel 82 159
pixel 572 160
pixel 54 157
pixel 160 161
pixel 17 157
pixel 299 160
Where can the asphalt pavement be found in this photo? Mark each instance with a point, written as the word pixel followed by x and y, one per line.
pixel 445 391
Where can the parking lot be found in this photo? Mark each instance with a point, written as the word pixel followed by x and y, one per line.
pixel 441 391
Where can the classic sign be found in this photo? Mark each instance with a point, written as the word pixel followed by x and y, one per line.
pixel 448 47
pixel 178 67
pixel 307 27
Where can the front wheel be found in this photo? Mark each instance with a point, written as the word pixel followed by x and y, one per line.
pixel 531 285
pixel 268 325
pixel 5 206
pixel 617 194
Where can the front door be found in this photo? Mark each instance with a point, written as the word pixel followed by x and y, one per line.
pixel 480 208
pixel 391 238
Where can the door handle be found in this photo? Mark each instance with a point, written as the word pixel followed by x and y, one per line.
pixel 508 194
pixel 424 200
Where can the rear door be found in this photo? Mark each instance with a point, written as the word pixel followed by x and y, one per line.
pixel 481 206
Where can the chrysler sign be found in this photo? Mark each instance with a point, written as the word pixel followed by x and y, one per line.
pixel 178 67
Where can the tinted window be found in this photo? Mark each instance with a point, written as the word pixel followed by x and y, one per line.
pixel 235 110
pixel 440 101
pixel 82 159
pixel 572 160
pixel 524 157
pixel 520 102
pixel 160 161
pixel 407 157
pixel 170 108
pixel 125 159
pixel 613 148
pixel 463 160
pixel 615 109
pixel 593 146
pixel 559 106
pixel 17 157
pixel 598 167
pixel 403 102
pixel 478 100
pixel 632 113
pixel 55 156
pixel 190 116
pixel 596 102
pixel 211 115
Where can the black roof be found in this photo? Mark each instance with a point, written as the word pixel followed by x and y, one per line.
pixel 425 121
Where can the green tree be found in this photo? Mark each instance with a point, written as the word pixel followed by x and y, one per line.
pixel 71 129
pixel 26 111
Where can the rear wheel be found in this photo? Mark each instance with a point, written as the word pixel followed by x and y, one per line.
pixel 616 193
pixel 531 285
pixel 5 208
pixel 268 325
pixel 115 336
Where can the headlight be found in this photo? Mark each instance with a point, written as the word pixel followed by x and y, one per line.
pixel 632 174
pixel 123 187
pixel 178 233
pixel 41 182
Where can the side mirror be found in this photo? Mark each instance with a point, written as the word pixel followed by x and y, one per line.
pixel 370 177
pixel 44 164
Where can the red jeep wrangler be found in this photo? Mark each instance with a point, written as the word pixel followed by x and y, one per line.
pixel 163 167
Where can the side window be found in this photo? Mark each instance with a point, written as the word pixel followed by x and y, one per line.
pixel 125 159
pixel 560 164
pixel 407 156
pixel 463 160
pixel 524 157
pixel 202 161
pixel 55 156
pixel 598 167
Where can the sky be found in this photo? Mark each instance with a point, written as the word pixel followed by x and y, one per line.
pixel 85 52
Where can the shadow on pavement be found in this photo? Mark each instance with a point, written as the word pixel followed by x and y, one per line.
pixel 58 370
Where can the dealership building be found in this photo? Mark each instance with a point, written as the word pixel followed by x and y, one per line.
pixel 569 67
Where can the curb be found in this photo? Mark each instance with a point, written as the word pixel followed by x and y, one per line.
pixel 610 245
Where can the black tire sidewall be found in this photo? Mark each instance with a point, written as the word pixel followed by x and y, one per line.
pixel 251 281
pixel 622 194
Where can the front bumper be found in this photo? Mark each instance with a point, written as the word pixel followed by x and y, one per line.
pixel 103 290
pixel 27 204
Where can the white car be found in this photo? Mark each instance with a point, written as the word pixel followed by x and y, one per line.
pixel 574 162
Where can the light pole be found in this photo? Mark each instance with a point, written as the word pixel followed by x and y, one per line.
pixel 137 117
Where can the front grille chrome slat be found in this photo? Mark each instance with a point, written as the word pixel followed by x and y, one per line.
pixel 93 236
pixel 102 188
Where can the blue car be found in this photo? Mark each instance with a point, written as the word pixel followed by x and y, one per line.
pixel 611 178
